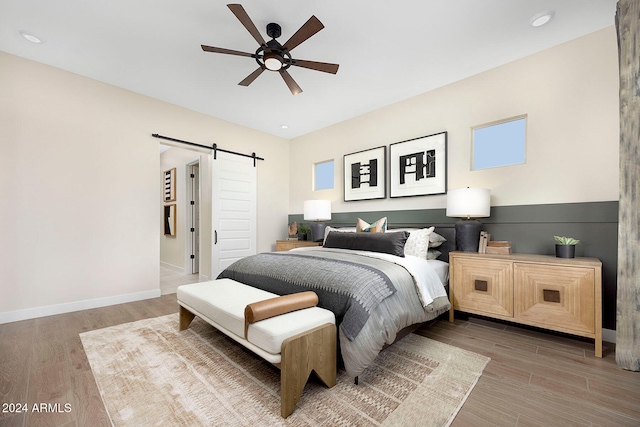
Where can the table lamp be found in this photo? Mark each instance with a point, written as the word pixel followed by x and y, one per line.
pixel 468 203
pixel 317 210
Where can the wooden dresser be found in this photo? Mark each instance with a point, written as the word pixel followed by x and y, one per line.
pixel 287 245
pixel 560 294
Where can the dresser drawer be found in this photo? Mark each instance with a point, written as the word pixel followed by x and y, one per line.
pixel 482 286
pixel 558 297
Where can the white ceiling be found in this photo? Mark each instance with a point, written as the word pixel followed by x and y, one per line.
pixel 387 51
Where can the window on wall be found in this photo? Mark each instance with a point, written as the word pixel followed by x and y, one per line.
pixel 501 143
pixel 323 175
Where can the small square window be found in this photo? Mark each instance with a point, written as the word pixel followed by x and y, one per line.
pixel 323 175
pixel 499 144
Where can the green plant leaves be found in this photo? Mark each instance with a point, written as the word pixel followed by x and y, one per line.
pixel 562 240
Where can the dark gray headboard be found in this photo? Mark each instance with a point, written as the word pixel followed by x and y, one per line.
pixel 448 233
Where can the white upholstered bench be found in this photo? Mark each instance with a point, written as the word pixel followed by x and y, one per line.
pixel 297 342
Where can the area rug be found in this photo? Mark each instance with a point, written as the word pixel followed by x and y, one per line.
pixel 151 374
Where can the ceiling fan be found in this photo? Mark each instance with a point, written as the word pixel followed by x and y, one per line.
pixel 272 55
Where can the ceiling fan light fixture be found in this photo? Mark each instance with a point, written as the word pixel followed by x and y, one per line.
pixel 539 19
pixel 272 62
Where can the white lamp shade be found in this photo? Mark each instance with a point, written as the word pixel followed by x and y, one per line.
pixel 317 210
pixel 469 202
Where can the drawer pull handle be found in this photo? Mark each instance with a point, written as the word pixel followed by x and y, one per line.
pixel 481 285
pixel 550 296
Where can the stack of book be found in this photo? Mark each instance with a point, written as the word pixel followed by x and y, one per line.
pixel 487 246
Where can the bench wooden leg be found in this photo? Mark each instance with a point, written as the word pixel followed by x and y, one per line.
pixel 186 317
pixel 314 350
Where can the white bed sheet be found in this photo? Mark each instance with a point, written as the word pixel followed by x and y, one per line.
pixel 441 268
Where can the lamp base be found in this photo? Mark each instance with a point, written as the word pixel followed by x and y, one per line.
pixel 468 235
pixel 317 231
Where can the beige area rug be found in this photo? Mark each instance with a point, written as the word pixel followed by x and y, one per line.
pixel 150 374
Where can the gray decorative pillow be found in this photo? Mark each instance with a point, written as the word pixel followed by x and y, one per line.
pixel 436 240
pixel 388 243
pixel 433 254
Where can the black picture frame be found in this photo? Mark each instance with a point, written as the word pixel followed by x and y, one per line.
pixel 418 167
pixel 170 220
pixel 169 185
pixel 365 174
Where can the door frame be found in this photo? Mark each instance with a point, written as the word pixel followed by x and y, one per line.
pixel 189 237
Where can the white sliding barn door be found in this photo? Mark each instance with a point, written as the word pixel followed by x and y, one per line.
pixel 233 210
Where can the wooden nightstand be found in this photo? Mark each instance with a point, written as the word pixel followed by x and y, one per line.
pixel 287 245
pixel 560 294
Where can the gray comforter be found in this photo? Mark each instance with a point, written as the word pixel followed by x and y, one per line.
pixel 373 295
pixel 349 289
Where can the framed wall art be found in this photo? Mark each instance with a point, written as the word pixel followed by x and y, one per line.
pixel 365 176
pixel 170 220
pixel 170 185
pixel 418 167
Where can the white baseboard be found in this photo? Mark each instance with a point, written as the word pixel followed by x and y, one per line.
pixel 173 288
pixel 32 313
pixel 172 267
pixel 169 289
pixel 609 335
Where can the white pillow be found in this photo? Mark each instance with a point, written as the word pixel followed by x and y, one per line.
pixel 341 229
pixel 418 242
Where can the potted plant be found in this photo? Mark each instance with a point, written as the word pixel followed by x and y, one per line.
pixel 303 232
pixel 566 246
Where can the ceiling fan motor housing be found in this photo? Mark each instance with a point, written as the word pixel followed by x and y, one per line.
pixel 274 30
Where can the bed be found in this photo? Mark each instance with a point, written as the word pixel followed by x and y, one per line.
pixel 375 292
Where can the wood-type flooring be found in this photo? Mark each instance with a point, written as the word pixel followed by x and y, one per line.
pixel 534 378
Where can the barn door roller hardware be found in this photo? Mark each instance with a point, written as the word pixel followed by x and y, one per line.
pixel 214 147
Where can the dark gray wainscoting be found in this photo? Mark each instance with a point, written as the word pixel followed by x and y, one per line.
pixel 530 228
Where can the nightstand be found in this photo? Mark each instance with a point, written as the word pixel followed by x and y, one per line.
pixel 560 294
pixel 287 245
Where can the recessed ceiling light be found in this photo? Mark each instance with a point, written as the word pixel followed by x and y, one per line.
pixel 539 19
pixel 284 127
pixel 27 35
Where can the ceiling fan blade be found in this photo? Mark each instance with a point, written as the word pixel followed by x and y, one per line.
pixel 227 51
pixel 242 16
pixel 251 77
pixel 293 86
pixel 325 67
pixel 312 26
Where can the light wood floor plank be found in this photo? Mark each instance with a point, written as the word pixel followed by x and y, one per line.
pixel 88 407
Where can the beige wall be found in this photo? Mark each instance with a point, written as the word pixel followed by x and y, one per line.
pixel 79 192
pixel 570 94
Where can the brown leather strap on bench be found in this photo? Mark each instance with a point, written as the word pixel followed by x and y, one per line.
pixel 261 310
